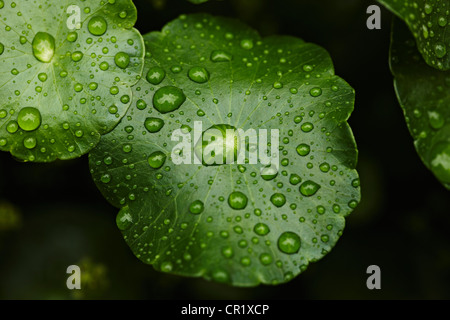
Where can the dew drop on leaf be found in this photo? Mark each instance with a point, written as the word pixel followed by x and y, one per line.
pixel 168 99
pixel 155 75
pixel 43 46
pixel 237 200
pixel 289 242
pixel 153 124
pixel 122 60
pixel 309 188
pixel 29 119
pixel 157 159
pixel 198 74
pixel 97 26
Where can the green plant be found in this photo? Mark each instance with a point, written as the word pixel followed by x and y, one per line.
pixel 137 104
pixel 421 80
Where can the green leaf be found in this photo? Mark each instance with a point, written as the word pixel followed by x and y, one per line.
pixel 65 81
pixel 428 21
pixel 239 223
pixel 424 95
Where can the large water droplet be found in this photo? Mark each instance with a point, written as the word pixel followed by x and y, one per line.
pixel 168 99
pixel 97 26
pixel 156 159
pixel 43 46
pixel 29 119
pixel 289 242
pixel 237 200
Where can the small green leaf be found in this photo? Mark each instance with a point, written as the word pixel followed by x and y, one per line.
pixel 429 23
pixel 66 74
pixel 424 95
pixel 223 217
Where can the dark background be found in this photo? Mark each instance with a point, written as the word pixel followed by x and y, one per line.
pixel 52 215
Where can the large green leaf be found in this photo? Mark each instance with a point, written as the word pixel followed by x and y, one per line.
pixel 240 223
pixel 64 82
pixel 424 95
pixel 428 21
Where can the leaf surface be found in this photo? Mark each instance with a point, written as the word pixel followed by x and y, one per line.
pixel 428 21
pixel 424 95
pixel 66 71
pixel 241 223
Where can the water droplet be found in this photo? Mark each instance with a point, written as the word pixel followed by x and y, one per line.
pixel 166 266
pixel 155 75
pixel 168 99
pixel 309 188
pixel 156 159
pixel 122 60
pixel 269 173
pixel 440 161
pixel 278 199
pixel 227 252
pixel 196 207
pixel 77 56
pixel 261 229
pixel 12 126
pixel 2 48
pixel 153 124
pixel 247 44
pixel 289 242
pixel 303 149
pixel 237 200
pixel 295 179
pixel 436 120
pixel 198 74
pixel 30 142
pixel 29 119
pixel 106 178
pixel 43 46
pixel 315 92
pixel 97 26
pixel 440 50
pixel 220 56
pixel 265 259
pixel 307 127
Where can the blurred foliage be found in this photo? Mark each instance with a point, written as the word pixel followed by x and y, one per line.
pixel 401 224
